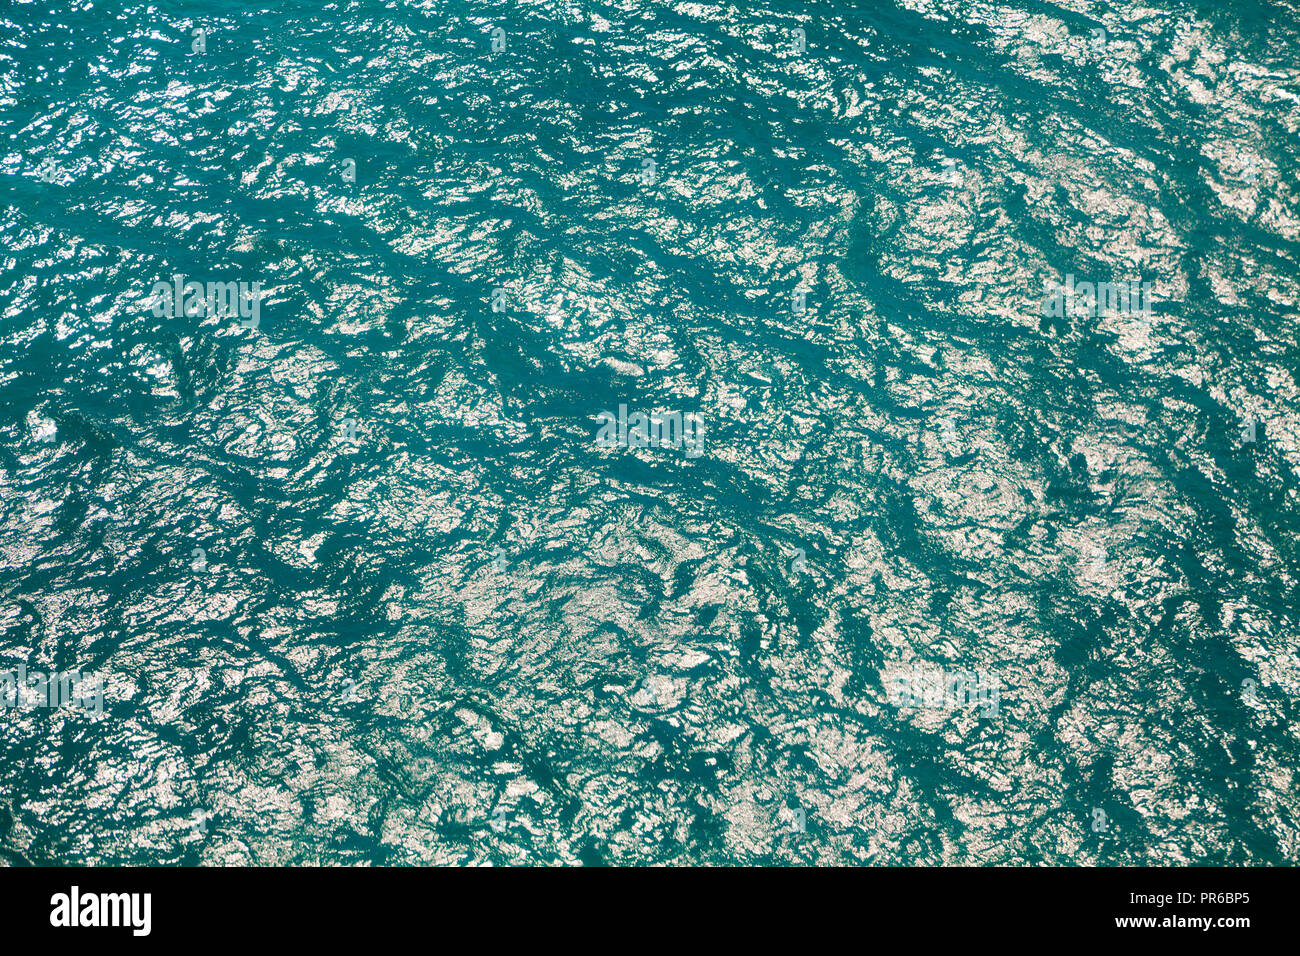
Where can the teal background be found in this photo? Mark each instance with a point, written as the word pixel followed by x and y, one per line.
pixel 351 680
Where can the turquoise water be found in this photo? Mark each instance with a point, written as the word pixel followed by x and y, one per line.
pixel 923 561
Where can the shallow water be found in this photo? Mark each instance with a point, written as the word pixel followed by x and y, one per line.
pixel 432 620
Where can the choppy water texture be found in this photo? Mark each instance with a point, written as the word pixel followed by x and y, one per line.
pixel 471 635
